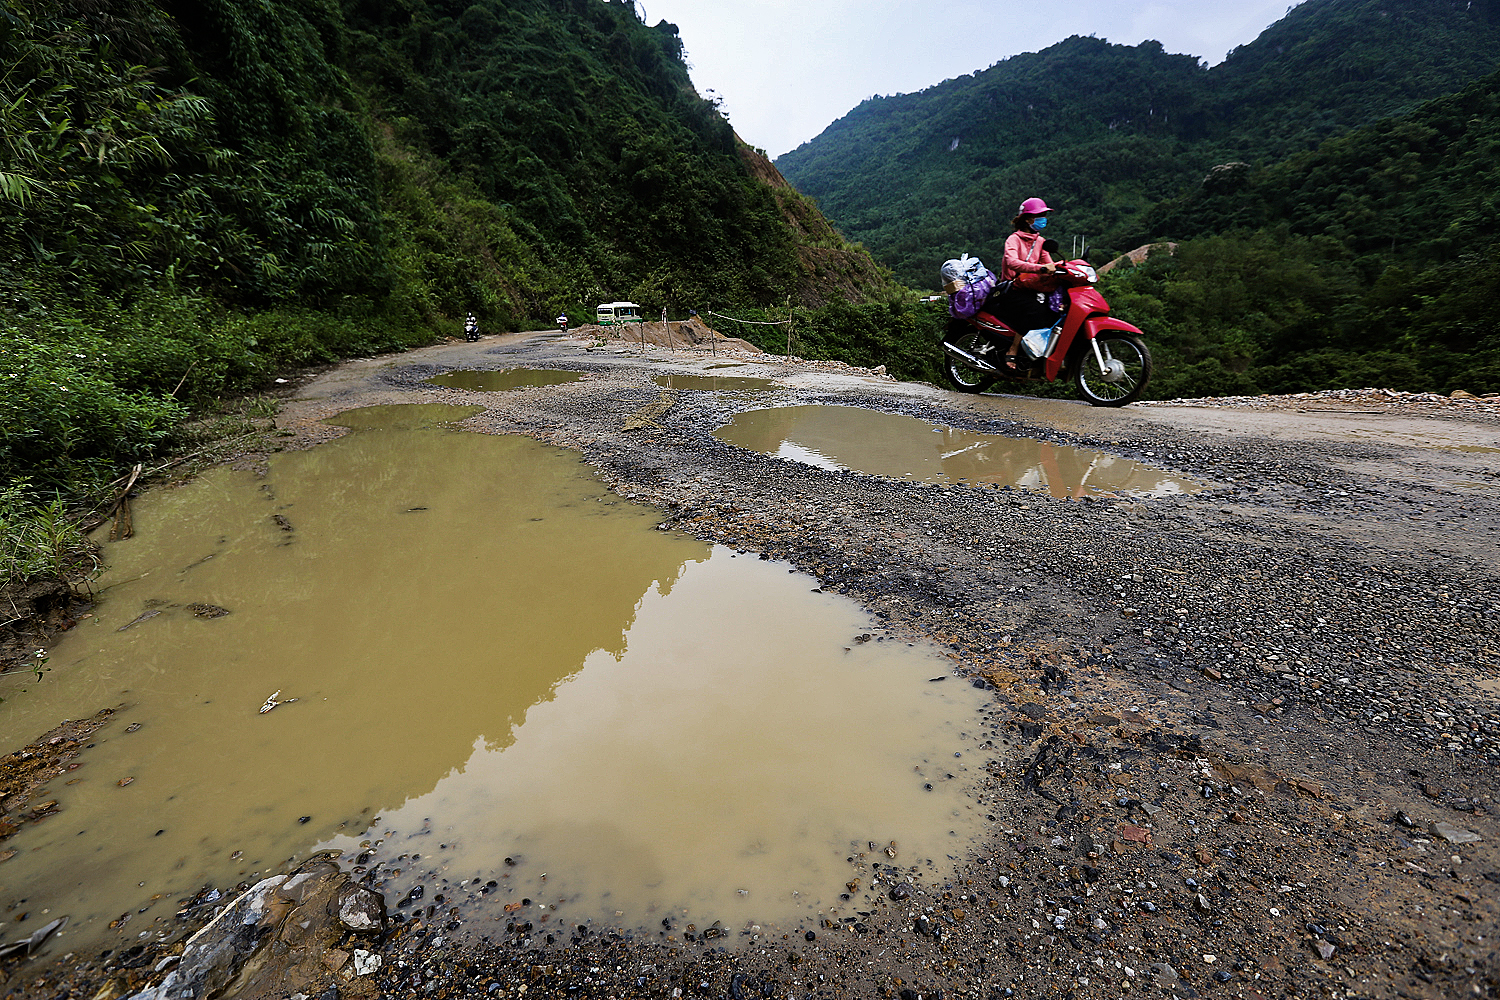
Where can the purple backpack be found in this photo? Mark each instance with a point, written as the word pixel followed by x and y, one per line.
pixel 968 283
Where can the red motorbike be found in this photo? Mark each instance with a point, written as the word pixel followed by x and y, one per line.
pixel 1106 358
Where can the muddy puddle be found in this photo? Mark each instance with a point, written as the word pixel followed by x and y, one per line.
pixel 415 416
pixel 473 652
pixel 499 381
pixel 714 383
pixel 902 447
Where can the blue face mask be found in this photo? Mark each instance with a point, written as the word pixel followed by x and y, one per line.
pixel 1039 224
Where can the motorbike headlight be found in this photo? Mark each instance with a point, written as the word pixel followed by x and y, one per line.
pixel 1089 272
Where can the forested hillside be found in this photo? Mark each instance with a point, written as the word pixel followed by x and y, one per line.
pixel 1335 214
pixel 1372 260
pixel 195 194
pixel 1108 131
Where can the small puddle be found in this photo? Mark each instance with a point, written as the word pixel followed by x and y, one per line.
pixel 714 383
pixel 509 378
pixel 902 447
pixel 491 657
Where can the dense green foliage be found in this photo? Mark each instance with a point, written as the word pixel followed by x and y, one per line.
pixel 194 195
pixel 583 124
pixel 900 333
pixel 919 177
pixel 1373 260
pixel 1106 131
pixel 38 537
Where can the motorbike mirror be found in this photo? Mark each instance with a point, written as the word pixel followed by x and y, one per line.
pixel 1051 246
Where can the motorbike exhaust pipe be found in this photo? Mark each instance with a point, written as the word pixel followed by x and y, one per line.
pixel 965 356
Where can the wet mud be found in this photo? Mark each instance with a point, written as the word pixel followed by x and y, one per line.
pixel 1239 743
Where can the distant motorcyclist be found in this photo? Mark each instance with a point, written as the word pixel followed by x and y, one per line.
pixel 471 328
pixel 562 322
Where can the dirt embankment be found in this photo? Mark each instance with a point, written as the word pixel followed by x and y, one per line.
pixel 1241 743
pixel 690 336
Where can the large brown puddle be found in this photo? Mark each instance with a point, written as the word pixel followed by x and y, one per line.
pixel 498 381
pixel 901 447
pixel 491 657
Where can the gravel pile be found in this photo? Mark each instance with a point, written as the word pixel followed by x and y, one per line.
pixel 1380 400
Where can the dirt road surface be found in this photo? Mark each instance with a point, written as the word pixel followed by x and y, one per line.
pixel 1241 743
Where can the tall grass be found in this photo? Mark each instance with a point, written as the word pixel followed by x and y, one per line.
pixel 38 537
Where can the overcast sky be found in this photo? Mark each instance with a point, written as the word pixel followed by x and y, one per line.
pixel 786 69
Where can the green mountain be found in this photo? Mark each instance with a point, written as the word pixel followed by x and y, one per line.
pixel 1371 260
pixel 1108 131
pixel 194 194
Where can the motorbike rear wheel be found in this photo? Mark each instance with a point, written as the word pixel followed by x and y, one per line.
pixel 960 374
pixel 1127 370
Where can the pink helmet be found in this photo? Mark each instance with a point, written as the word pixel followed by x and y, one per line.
pixel 1034 206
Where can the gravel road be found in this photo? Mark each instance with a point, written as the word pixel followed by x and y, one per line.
pixel 1242 743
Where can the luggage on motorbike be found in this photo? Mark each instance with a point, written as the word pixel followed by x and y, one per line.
pixel 968 283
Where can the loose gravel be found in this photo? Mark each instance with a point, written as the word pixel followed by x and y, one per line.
pixel 1241 743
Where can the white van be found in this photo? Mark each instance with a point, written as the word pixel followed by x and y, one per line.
pixel 611 313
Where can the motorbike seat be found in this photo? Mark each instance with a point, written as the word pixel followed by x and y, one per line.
pixel 1018 310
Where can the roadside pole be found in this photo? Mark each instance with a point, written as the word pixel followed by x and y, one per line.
pixel 789 331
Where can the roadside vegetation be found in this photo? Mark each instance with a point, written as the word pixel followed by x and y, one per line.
pixel 195 198
pixel 1371 260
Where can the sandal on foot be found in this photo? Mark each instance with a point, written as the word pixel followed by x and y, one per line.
pixel 1012 363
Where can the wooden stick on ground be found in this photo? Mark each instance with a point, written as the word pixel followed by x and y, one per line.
pixel 123 528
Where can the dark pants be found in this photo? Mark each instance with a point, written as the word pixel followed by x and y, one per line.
pixel 1020 309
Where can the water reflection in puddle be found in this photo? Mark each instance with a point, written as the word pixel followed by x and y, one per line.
pixel 510 378
pixel 497 658
pixel 887 444
pixel 713 383
pixel 704 769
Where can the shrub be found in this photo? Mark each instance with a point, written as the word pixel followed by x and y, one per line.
pixel 63 418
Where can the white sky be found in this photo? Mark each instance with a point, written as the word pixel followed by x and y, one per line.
pixel 786 70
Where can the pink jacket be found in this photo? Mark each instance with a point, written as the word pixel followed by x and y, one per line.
pixel 1023 255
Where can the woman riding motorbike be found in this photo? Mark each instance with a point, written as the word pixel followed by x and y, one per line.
pixel 1029 268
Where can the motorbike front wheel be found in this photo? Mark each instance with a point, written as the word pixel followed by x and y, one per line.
pixel 960 375
pixel 1127 369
